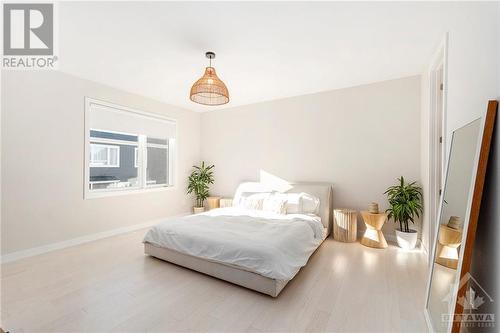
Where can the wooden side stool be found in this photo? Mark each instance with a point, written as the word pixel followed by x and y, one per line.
pixel 345 225
pixel 213 202
pixel 373 236
pixel 449 240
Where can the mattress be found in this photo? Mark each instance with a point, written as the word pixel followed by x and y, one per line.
pixel 271 245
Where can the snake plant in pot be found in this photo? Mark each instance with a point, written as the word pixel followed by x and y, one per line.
pixel 199 183
pixel 405 201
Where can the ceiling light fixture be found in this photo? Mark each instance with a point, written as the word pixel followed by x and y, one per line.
pixel 209 89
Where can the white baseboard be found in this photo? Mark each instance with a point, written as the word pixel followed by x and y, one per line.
pixel 76 241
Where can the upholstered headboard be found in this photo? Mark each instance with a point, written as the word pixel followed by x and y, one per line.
pixel 319 189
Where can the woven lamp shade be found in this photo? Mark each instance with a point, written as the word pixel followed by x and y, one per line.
pixel 209 89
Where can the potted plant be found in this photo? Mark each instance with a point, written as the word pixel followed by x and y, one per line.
pixel 405 200
pixel 198 183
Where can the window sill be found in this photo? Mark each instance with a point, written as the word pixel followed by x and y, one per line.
pixel 105 194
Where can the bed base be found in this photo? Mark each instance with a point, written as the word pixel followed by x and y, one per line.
pixel 224 272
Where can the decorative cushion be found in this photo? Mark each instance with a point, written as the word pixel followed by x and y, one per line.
pixel 275 203
pixel 293 203
pixel 251 200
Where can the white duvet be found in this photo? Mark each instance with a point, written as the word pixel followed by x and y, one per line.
pixel 272 245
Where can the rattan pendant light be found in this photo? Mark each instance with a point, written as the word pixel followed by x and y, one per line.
pixel 209 89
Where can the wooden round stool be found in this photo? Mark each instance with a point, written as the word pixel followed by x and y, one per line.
pixel 449 240
pixel 345 225
pixel 213 202
pixel 373 236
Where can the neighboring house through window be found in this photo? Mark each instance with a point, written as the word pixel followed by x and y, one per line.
pixel 127 150
pixel 104 156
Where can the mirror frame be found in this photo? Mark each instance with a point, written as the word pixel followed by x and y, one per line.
pixel 472 216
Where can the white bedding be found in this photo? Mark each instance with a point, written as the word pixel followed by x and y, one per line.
pixel 272 245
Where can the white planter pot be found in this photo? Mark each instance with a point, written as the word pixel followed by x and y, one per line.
pixel 197 210
pixel 407 240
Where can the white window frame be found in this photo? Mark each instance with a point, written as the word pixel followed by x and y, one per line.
pixel 142 149
pixel 108 164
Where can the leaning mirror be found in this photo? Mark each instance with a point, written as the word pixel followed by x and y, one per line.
pixel 458 215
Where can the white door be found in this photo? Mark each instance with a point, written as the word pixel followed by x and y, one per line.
pixel 439 149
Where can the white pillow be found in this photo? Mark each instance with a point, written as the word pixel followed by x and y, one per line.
pixel 251 200
pixel 249 188
pixel 293 202
pixel 275 204
pixel 310 203
pixel 240 198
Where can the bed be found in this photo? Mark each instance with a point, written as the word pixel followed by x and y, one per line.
pixel 257 249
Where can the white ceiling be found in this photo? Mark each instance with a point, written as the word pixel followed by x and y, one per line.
pixel 264 51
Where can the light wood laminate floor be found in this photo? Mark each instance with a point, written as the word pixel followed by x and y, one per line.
pixel 111 286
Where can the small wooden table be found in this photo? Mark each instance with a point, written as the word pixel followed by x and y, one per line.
pixel 345 225
pixel 373 236
pixel 213 202
pixel 449 240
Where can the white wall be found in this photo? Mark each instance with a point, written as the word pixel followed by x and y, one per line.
pixel 473 79
pixel 361 139
pixel 42 162
pixel 473 57
pixel 472 67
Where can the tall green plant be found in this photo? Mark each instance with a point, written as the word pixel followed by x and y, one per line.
pixel 199 181
pixel 405 200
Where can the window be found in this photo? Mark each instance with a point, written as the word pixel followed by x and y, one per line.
pixel 128 151
pixel 104 156
pixel 157 162
pixel 111 158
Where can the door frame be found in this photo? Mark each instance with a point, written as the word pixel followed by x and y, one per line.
pixel 437 129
